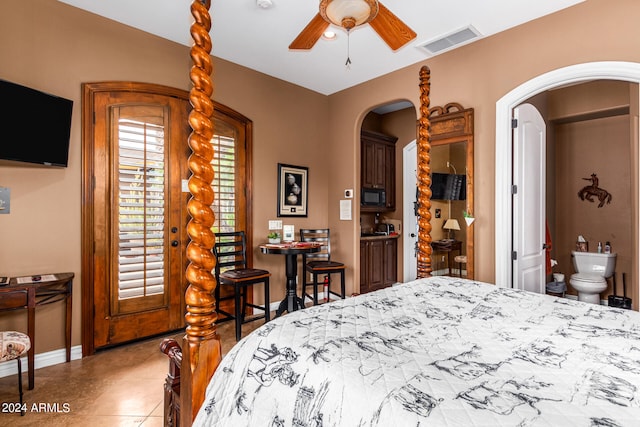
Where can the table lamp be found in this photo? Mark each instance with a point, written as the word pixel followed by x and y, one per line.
pixel 451 225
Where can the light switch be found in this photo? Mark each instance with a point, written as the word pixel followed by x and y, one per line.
pixel 5 200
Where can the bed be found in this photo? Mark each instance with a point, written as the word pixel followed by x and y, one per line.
pixel 440 351
pixel 437 351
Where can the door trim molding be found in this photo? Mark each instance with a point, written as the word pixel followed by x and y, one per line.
pixel 604 70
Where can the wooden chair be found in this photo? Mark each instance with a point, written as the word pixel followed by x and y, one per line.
pixel 14 345
pixel 230 250
pixel 320 263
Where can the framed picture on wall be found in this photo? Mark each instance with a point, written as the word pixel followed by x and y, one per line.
pixel 293 190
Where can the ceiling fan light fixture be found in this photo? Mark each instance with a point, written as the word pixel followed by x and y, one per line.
pixel 348 13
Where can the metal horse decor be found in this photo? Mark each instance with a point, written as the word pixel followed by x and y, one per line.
pixel 590 191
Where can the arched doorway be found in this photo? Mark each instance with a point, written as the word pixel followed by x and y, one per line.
pixel 606 70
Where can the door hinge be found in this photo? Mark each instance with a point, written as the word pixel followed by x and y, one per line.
pixel 514 256
pixel 514 189
pixel 514 123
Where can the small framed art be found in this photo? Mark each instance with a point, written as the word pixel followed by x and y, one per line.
pixel 293 190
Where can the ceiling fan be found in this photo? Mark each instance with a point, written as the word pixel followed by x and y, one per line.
pixel 352 13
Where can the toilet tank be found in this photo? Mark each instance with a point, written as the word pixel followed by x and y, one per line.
pixel 592 262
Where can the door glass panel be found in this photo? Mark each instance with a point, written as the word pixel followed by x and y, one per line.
pixel 224 182
pixel 141 177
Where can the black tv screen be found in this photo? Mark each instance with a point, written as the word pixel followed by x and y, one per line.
pixel 445 186
pixel 34 126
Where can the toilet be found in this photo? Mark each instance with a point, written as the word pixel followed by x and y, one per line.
pixel 592 270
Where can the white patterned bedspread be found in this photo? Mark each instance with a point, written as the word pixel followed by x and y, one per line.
pixel 437 352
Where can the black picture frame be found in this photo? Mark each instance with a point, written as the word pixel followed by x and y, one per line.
pixel 293 190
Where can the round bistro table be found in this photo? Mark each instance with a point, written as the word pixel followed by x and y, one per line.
pixel 291 301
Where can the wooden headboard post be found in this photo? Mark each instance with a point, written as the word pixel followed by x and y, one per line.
pixel 201 348
pixel 424 177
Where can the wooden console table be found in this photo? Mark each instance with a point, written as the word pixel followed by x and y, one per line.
pixel 36 293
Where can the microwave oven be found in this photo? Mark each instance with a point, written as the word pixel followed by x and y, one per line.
pixel 376 197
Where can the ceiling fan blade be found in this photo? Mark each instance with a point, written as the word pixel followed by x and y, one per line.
pixel 392 30
pixel 311 33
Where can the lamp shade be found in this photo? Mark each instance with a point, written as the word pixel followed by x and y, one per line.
pixel 451 224
pixel 348 13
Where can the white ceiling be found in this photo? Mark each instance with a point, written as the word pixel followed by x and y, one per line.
pixel 258 38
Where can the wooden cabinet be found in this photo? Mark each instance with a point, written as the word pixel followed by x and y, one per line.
pixel 378 166
pixel 390 262
pixel 378 263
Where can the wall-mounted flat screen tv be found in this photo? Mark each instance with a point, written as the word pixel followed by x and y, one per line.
pixel 34 126
pixel 447 186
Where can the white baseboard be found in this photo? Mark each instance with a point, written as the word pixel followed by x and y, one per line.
pixel 41 360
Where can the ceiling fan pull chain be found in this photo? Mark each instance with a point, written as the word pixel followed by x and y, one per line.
pixel 348 63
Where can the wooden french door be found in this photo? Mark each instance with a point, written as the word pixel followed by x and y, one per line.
pixel 134 206
pixel 134 228
pixel 232 182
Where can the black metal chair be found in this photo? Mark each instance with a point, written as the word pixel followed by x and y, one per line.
pixel 230 250
pixel 320 263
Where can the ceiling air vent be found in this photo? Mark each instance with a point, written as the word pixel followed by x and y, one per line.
pixel 452 40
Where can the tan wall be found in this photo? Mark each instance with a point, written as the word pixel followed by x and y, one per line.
pixel 590 128
pixel 53 47
pixel 598 146
pixel 478 75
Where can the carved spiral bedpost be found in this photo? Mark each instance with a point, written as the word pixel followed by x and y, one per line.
pixel 201 349
pixel 424 177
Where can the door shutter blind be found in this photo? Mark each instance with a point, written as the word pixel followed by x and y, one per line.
pixel 224 183
pixel 141 225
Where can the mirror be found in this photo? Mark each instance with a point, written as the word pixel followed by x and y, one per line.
pixel 452 190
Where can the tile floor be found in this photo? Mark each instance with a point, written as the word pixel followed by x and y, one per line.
pixel 122 386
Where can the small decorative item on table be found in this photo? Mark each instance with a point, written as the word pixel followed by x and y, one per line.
pixel 274 237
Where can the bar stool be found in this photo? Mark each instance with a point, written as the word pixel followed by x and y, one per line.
pixel 319 263
pixel 14 345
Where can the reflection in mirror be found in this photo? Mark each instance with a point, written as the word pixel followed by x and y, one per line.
pixel 452 191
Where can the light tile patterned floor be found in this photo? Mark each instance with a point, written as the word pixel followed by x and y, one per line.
pixel 122 386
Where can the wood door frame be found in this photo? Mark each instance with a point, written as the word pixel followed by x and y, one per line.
pixel 89 91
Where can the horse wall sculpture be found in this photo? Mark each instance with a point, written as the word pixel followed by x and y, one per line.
pixel 590 191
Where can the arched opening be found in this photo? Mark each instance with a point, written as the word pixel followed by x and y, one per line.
pixel 385 131
pixel 625 71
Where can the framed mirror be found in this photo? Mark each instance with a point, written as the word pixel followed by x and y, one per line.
pixel 452 214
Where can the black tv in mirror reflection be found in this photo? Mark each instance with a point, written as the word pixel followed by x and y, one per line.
pixel 447 186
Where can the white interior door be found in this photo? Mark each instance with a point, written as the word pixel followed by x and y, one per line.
pixel 529 146
pixel 409 219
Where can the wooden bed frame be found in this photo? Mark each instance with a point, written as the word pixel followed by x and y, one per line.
pixel 193 363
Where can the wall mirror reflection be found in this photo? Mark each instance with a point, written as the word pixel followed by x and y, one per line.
pixel 452 215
